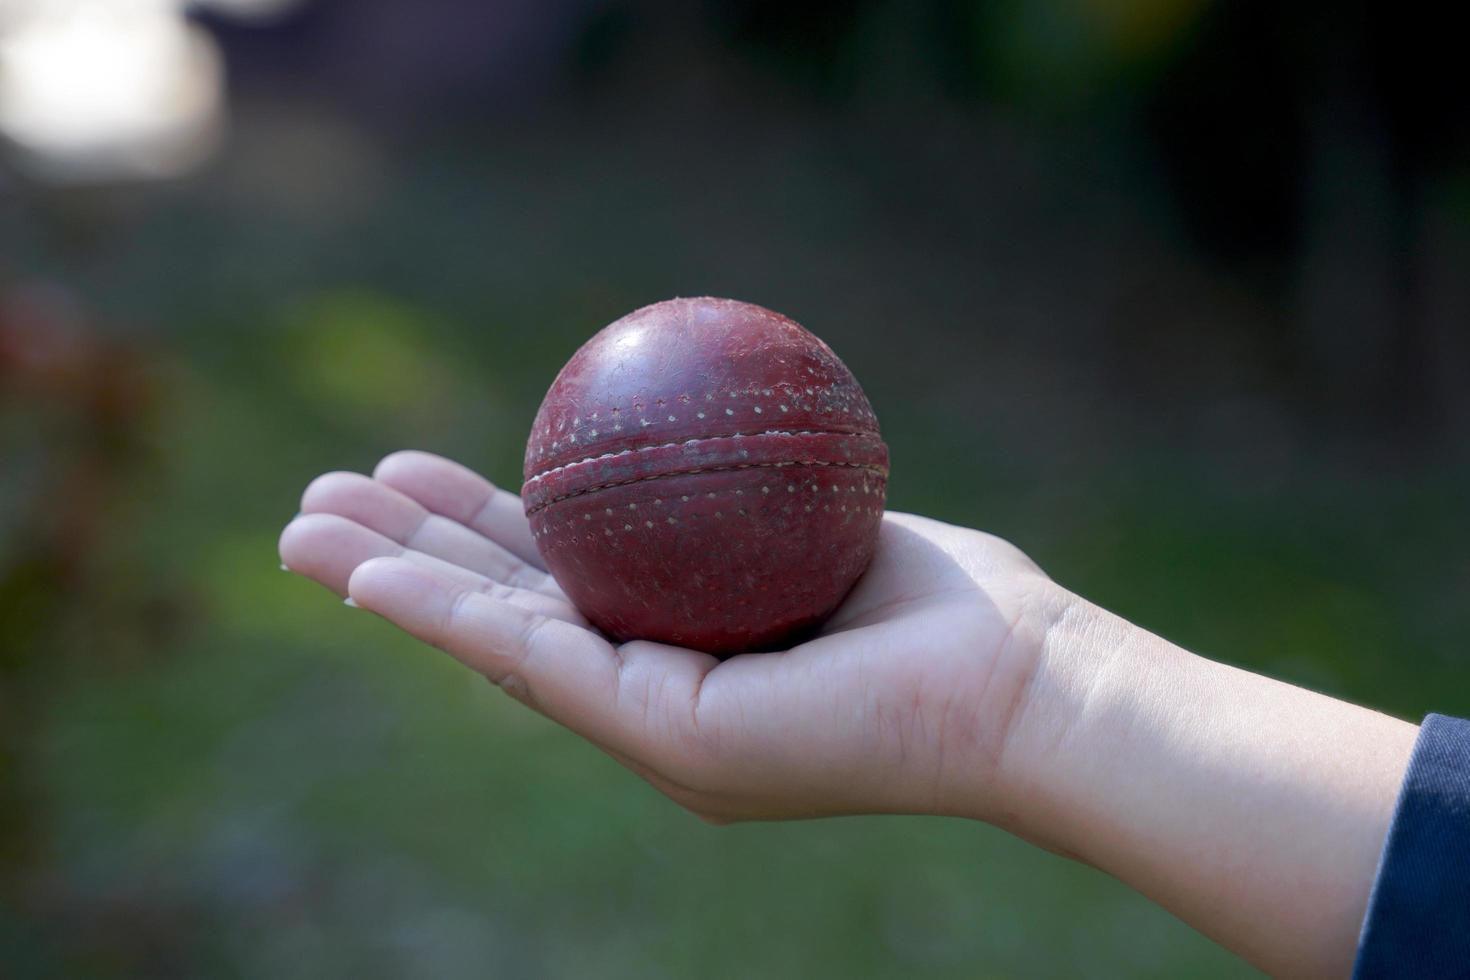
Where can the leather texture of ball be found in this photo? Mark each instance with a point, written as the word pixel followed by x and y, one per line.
pixel 706 473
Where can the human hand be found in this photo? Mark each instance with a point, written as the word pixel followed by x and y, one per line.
pixel 956 678
pixel 902 703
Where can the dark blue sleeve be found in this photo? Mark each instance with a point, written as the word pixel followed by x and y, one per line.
pixel 1418 921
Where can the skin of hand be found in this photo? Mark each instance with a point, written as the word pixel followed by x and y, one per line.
pixel 955 679
pixel 901 703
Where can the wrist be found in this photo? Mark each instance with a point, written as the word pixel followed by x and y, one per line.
pixel 1097 685
pixel 1251 809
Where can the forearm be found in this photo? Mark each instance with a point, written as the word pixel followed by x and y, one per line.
pixel 1253 810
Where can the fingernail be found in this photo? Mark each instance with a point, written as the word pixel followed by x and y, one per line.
pixel 349 601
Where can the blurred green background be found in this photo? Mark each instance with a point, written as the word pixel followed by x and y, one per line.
pixel 1172 294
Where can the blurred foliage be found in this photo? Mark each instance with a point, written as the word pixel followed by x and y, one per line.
pixel 992 210
pixel 1066 51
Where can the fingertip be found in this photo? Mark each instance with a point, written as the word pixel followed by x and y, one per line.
pixel 408 469
pixel 288 545
pixel 377 577
pixel 320 492
pixel 395 587
pixel 406 594
pixel 294 544
pixel 326 547
pixel 397 462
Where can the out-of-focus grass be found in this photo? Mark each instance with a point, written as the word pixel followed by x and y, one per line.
pixel 317 795
pixel 286 787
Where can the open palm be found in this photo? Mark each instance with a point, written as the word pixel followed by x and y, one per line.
pixel 901 703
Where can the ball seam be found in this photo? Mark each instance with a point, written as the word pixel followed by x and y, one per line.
pixel 880 471
pixel 689 442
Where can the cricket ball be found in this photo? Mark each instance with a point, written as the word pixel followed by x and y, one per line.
pixel 706 473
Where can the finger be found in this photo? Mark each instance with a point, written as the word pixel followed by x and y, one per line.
pixel 327 547
pixel 460 494
pixel 639 703
pixel 397 516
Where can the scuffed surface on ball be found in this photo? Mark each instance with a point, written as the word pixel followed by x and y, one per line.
pixel 707 473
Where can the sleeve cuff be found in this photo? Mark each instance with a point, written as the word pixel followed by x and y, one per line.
pixel 1418 919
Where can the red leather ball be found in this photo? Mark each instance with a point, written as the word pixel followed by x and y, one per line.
pixel 706 473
